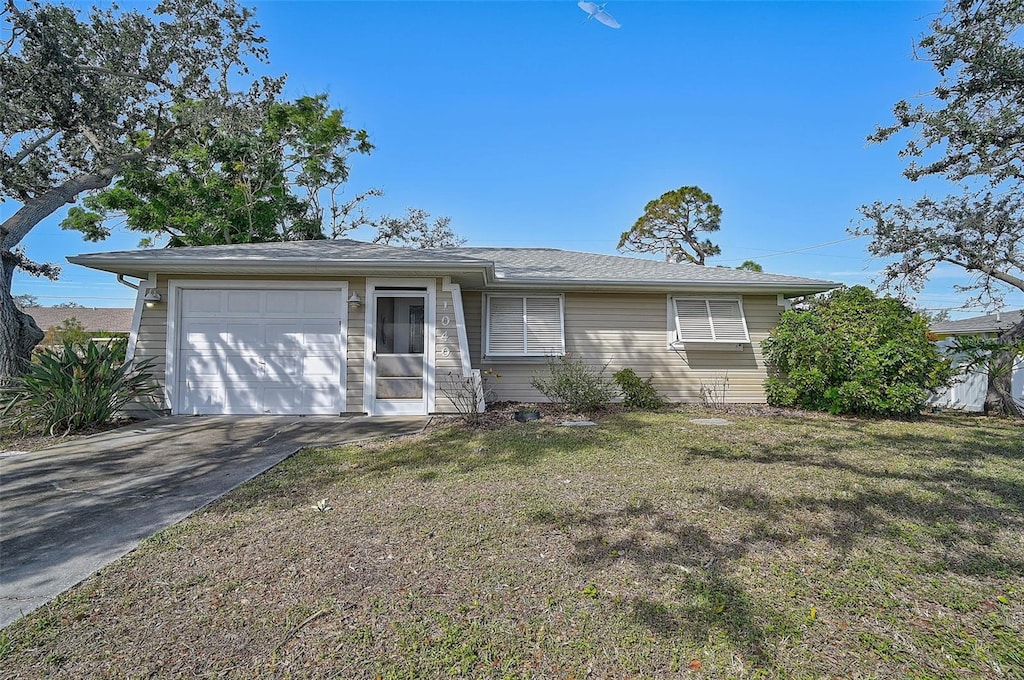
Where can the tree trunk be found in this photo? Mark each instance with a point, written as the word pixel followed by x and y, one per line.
pixel 18 331
pixel 999 398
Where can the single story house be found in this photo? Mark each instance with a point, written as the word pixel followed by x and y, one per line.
pixel 968 391
pixel 92 319
pixel 343 326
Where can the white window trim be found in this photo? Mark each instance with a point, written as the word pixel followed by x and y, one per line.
pixel 675 342
pixel 174 291
pixel 487 325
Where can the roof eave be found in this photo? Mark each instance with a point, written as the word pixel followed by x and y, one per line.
pixel 143 267
pixel 282 266
pixel 767 287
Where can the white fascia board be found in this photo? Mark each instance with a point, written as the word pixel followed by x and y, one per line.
pixel 751 288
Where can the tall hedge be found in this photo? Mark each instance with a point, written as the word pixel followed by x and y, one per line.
pixel 852 352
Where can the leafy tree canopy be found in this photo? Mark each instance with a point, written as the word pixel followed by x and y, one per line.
pixel 136 111
pixel 270 172
pixel 852 352
pixel 751 266
pixel 277 175
pixel 968 130
pixel 86 93
pixel 672 225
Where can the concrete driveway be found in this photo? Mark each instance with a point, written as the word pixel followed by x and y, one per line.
pixel 69 510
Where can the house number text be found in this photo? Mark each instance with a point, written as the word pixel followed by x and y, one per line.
pixel 446 321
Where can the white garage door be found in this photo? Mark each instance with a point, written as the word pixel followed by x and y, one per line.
pixel 261 351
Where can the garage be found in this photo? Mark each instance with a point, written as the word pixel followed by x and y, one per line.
pixel 258 349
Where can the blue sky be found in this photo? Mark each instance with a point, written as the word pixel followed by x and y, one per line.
pixel 530 127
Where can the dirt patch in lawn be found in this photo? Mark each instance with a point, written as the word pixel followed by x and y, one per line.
pixel 15 441
pixel 649 546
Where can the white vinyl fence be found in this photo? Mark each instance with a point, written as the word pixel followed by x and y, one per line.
pixel 968 392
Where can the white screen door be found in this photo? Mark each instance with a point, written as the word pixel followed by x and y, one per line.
pixel 398 356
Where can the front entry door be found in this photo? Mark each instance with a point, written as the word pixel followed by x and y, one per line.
pixel 398 353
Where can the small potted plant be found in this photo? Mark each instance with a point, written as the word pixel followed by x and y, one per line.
pixel 527 412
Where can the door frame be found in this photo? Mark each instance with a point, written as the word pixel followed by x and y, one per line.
pixel 174 291
pixel 373 286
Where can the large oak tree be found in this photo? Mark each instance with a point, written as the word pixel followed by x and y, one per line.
pixel 85 94
pixel 969 131
pixel 136 117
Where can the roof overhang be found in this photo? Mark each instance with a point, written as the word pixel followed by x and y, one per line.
pixel 144 267
pixel 472 274
pixel 811 287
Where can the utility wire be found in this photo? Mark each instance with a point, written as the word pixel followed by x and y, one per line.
pixel 795 250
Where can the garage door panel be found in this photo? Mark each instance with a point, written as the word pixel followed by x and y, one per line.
pixel 243 398
pixel 321 336
pixel 245 335
pixel 282 367
pixel 202 302
pixel 247 302
pixel 203 399
pixel 319 400
pixel 284 303
pixel 321 366
pixel 283 337
pixel 323 304
pixel 202 334
pixel 261 351
pixel 230 366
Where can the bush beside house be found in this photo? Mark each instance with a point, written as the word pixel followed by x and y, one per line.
pixel 852 352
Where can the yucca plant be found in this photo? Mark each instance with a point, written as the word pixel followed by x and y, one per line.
pixel 74 387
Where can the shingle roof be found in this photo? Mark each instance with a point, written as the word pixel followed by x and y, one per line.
pixel 339 250
pixel 988 323
pixel 109 319
pixel 498 266
pixel 513 264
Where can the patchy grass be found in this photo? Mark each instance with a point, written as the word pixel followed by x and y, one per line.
pixel 778 547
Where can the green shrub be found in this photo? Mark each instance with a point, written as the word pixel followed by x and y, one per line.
pixel 853 352
pixel 574 384
pixel 637 392
pixel 74 387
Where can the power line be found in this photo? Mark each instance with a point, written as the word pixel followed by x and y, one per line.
pixel 77 297
pixel 796 250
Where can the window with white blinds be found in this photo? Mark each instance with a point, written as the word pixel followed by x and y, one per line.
pixel 709 320
pixel 524 325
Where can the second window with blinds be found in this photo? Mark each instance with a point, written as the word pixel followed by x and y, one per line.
pixel 524 326
pixel 717 320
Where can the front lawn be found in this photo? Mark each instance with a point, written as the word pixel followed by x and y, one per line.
pixel 781 546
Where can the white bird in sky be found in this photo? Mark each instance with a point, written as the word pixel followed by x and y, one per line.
pixel 596 11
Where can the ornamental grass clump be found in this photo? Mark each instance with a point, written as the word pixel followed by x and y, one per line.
pixel 74 387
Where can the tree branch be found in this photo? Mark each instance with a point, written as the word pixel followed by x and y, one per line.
pixel 27 151
pixel 988 271
pixel 122 74
pixel 34 210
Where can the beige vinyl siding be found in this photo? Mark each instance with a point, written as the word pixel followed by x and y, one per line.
pixel 356 351
pixel 630 331
pixel 152 340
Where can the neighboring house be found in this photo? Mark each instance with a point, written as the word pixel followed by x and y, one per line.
pixel 92 319
pixel 336 326
pixel 968 392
